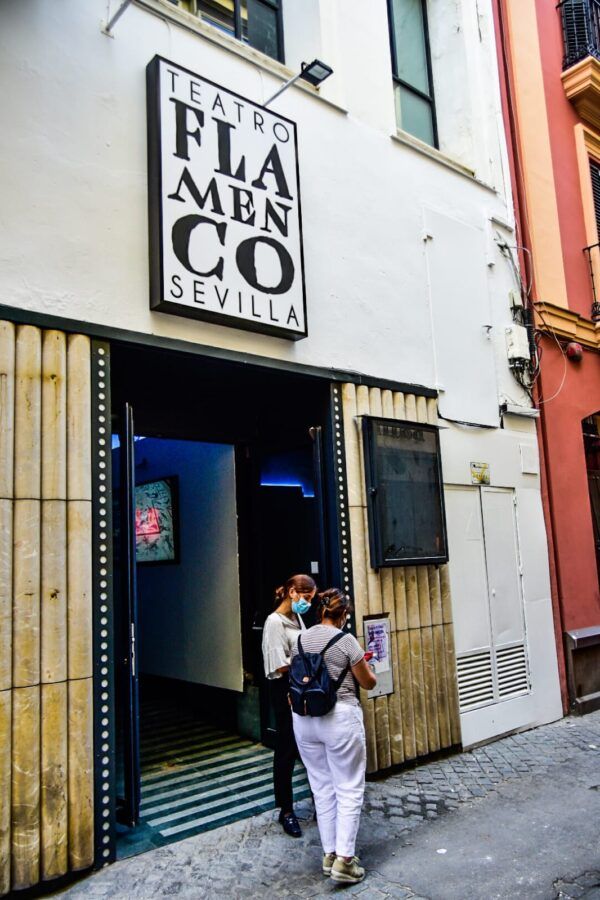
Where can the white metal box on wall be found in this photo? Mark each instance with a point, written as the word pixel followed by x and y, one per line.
pixel 506 659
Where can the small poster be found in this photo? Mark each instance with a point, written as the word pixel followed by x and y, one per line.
pixel 155 521
pixel 480 473
pixel 377 641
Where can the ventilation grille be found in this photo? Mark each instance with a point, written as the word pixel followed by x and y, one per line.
pixel 475 679
pixel 511 671
pixel 489 676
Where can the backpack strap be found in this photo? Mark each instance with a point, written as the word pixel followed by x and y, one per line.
pixel 301 649
pixel 334 640
pixel 337 637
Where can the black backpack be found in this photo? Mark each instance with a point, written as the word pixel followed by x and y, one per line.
pixel 312 690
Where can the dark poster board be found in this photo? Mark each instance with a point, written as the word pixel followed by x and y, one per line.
pixel 404 493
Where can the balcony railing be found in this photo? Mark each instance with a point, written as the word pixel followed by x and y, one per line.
pixel 581 30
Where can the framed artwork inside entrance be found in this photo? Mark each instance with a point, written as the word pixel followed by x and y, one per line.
pixel 157 521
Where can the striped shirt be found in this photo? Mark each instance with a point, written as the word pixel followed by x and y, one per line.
pixel 347 650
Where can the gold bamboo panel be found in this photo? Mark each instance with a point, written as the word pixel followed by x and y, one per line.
pixel 6 595
pixel 382 733
pixel 5 783
pixel 25 800
pixel 26 593
pixel 412 597
pixel 406 694
pixel 388 596
pixel 430 684
pixel 395 709
pixel 81 768
pixel 373 577
pixel 362 400
pixel 418 692
pixel 387 404
pixel 54 416
pixel 399 406
pixel 422 415
pixel 54 591
pixel 453 709
pixel 79 588
pixel 28 412
pixel 7 409
pixel 432 413
pixel 375 403
pixel 445 593
pixel 410 406
pixel 79 421
pixel 359 566
pixel 435 595
pixel 399 576
pixel 423 594
pixel 371 739
pixel 53 857
pixel 439 652
pixel 351 446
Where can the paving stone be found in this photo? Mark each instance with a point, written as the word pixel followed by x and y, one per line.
pixel 253 858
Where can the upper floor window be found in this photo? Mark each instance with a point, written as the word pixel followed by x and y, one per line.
pixel 411 69
pixel 257 23
pixel 595 176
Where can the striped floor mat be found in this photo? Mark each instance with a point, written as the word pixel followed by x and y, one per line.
pixel 196 777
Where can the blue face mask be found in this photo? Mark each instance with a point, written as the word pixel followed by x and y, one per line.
pixel 301 606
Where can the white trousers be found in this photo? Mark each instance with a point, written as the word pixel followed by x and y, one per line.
pixel 334 753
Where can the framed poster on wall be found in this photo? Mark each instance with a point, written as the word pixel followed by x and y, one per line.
pixel 377 637
pixel 156 521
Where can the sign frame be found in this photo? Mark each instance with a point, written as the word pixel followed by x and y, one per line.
pixel 158 301
pixel 379 559
pixel 385 675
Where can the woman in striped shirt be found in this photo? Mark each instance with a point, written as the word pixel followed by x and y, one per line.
pixel 332 747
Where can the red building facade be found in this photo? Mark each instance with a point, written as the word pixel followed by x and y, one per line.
pixel 549 60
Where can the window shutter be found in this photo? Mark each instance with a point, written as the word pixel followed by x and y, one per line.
pixel 576 30
pixel 595 175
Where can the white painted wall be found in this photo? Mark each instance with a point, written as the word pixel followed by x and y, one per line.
pixel 73 151
pixel 73 234
pixel 189 612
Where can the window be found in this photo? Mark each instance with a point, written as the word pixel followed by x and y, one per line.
pixel 255 22
pixel 595 175
pixel 411 69
pixel 404 493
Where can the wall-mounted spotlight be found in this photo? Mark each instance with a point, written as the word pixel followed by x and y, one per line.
pixel 315 73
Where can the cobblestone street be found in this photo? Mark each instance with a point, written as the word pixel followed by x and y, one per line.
pixel 517 818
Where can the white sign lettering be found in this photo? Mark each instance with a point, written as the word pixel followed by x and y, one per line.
pixel 225 223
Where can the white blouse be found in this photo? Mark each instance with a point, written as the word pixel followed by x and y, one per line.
pixel 280 634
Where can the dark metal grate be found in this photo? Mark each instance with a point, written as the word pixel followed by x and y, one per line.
pixel 581 30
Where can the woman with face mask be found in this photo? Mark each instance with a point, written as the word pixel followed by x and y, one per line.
pixel 282 628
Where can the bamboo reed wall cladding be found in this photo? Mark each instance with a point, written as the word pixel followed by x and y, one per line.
pixel 422 715
pixel 46 715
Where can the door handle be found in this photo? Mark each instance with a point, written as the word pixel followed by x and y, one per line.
pixel 132 645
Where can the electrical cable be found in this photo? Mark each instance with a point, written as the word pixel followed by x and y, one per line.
pixel 564 356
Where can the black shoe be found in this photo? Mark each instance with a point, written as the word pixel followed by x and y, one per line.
pixel 290 824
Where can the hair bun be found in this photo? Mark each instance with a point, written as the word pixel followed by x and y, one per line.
pixel 334 602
